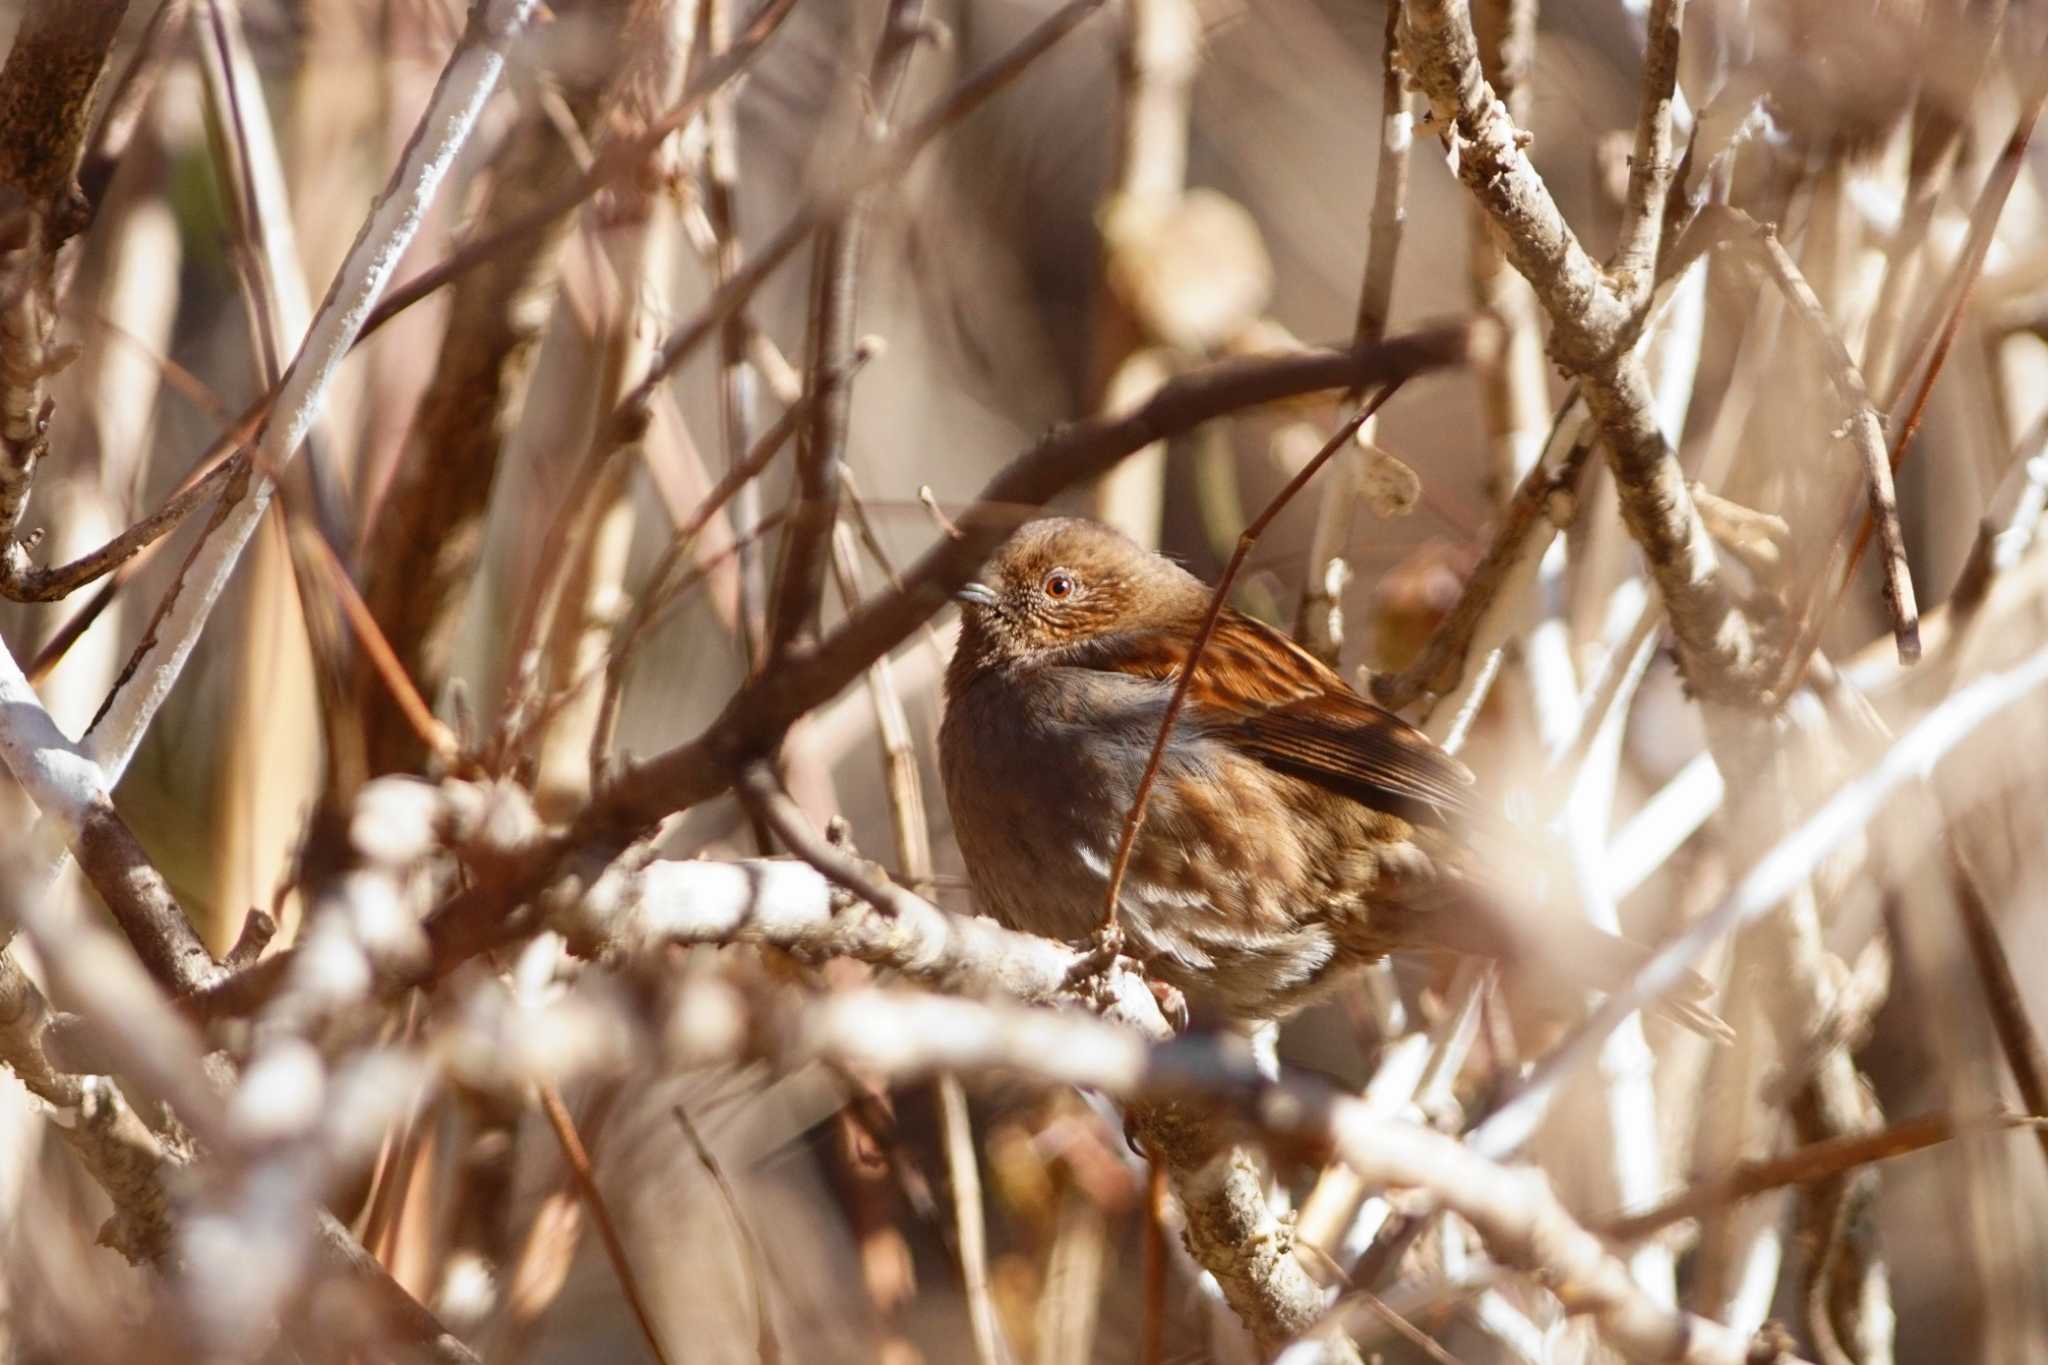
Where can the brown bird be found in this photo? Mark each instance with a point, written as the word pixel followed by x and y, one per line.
pixel 1295 830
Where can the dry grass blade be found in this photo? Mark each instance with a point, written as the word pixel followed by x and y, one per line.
pixel 438 738
pixel 767 1345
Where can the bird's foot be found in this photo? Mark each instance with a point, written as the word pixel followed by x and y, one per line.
pixel 1105 946
pixel 1094 978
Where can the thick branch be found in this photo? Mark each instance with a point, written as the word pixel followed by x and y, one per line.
pixel 755 718
pixel 471 75
pixel 71 791
pixel 1514 1209
pixel 1593 334
pixel 46 96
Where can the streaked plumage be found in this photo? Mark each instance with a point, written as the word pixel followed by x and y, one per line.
pixel 1295 831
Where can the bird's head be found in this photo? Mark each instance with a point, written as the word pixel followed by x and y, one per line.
pixel 1061 581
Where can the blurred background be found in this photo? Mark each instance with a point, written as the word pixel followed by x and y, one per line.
pixel 1176 181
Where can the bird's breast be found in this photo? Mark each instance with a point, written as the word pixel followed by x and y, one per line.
pixel 1222 889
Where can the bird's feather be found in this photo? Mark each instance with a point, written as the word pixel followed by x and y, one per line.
pixel 1279 704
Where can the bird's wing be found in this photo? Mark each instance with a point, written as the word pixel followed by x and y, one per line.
pixel 1277 703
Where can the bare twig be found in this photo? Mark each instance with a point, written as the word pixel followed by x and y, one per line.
pixel 1546 497
pixel 964 1174
pixel 1651 167
pixel 1865 429
pixel 1983 225
pixel 1778 873
pixel 1134 819
pixel 767 1346
pixel 1812 1162
pixel 21 581
pixel 1594 327
pixel 2002 996
pixel 586 1185
pixel 736 375
pixel 828 363
pixel 1319 620
pixel 427 727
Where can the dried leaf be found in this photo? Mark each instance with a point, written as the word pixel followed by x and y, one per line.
pixel 1388 485
pixel 1194 271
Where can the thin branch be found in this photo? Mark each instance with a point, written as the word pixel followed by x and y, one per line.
pixel 1984 218
pixel 467 81
pixel 21 581
pixel 737 375
pixel 1134 819
pixel 1593 334
pixel 578 1159
pixel 1865 429
pixel 1652 165
pixel 1813 1162
pixel 437 738
pixel 835 302
pixel 1319 620
pixel 1546 498
pixel 767 1348
pixel 1777 874
pixel 2002 995
pixel 963 1172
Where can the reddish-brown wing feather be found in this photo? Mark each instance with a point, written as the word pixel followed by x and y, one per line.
pixel 1282 706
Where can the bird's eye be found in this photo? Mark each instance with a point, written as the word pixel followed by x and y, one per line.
pixel 1059 585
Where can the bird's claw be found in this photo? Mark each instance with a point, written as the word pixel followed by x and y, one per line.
pixel 1172 1003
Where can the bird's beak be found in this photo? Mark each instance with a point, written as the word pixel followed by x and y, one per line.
pixel 979 594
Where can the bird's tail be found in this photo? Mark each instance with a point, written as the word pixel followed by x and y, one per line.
pixel 1546 950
